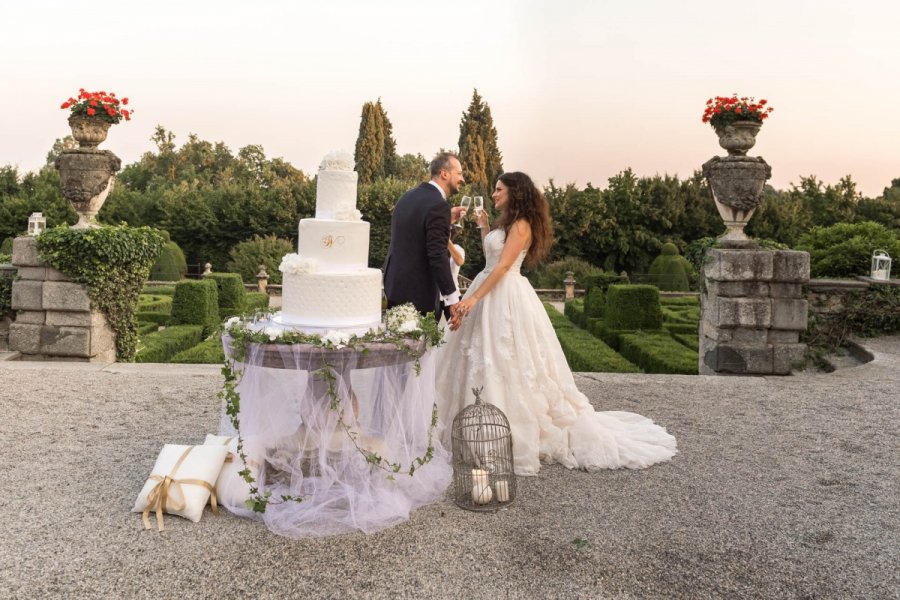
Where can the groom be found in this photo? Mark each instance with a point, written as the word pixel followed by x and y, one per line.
pixel 417 267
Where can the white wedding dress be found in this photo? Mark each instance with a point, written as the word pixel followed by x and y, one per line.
pixel 507 345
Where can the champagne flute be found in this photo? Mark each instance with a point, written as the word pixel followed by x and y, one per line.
pixel 465 202
pixel 479 206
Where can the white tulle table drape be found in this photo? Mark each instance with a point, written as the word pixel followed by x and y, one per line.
pixel 293 435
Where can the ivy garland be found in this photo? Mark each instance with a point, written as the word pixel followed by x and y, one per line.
pixel 244 333
pixel 114 263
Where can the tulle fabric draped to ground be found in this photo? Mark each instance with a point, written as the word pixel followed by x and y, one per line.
pixel 296 439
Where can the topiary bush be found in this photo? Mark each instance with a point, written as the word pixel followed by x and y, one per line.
pixel 574 310
pixel 669 271
pixel 633 307
pixel 6 281
pixel 585 352
pixel 658 353
pixel 196 303
pixel 207 352
pixel 246 257
pixel 551 275
pixel 154 303
pixel 6 248
pixel 845 249
pixel 171 264
pixel 594 303
pixel 230 292
pixel 602 280
pixel 256 301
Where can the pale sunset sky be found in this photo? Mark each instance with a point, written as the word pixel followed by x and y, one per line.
pixel 579 90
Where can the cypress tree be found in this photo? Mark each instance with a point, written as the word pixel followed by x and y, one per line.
pixel 376 150
pixel 478 150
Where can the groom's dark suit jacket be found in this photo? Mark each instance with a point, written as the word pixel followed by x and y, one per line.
pixel 417 267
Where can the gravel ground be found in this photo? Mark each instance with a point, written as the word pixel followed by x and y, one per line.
pixel 783 488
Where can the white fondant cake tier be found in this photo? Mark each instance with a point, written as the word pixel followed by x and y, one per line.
pixel 334 245
pixel 332 300
pixel 336 195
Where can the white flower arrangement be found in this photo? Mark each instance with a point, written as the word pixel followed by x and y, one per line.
pixel 337 160
pixel 294 264
pixel 338 338
pixel 402 319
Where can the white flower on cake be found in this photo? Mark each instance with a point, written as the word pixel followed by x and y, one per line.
pixel 402 319
pixel 295 264
pixel 338 338
pixel 337 160
pixel 273 332
pixel 348 215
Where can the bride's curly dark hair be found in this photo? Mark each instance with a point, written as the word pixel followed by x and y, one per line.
pixel 527 202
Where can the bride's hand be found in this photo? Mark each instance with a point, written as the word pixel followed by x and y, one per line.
pixel 464 307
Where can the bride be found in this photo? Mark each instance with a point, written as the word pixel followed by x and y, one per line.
pixel 502 340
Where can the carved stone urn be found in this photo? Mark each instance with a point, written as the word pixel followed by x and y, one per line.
pixel 86 178
pixel 736 183
pixel 89 132
pixel 738 137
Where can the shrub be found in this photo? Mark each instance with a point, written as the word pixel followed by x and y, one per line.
pixel 551 275
pixel 669 271
pixel 171 264
pixel 230 291
pixel 6 281
pixel 687 340
pixel 583 351
pixel 246 257
pixel 658 353
pixel 146 327
pixel 153 317
pixel 195 303
pixel 160 346
pixel 207 352
pixel 159 290
pixel 254 301
pixel 594 303
pixel 633 307
pixel 154 303
pixel 845 249
pixel 6 248
pixel 574 310
pixel 603 280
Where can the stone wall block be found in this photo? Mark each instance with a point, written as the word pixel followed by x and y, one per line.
pixel 56 275
pixel 752 313
pixel 786 356
pixel 25 253
pixel 789 314
pixel 739 265
pixel 732 289
pixel 786 290
pixel 25 338
pixel 103 341
pixel 716 334
pixel 61 295
pixel 791 266
pixel 66 341
pixel 33 273
pixel 735 359
pixel 778 336
pixel 751 337
pixel 75 319
pixel 27 295
pixel 31 317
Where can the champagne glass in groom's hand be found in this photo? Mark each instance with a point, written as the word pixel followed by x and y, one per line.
pixel 465 202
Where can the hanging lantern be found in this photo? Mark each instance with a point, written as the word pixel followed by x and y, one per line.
pixel 881 265
pixel 36 224
pixel 483 475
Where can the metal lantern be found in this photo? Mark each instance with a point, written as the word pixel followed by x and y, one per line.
pixel 881 265
pixel 36 224
pixel 483 475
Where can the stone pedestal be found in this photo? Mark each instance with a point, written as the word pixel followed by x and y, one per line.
pixel 752 311
pixel 54 320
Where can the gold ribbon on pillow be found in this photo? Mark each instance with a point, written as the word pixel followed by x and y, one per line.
pixel 158 498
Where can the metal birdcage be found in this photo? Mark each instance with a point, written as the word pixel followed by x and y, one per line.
pixel 483 475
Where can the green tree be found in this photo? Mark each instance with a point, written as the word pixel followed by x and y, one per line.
pixel 479 153
pixel 376 150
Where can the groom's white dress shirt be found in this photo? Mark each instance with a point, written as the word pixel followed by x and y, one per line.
pixel 453 298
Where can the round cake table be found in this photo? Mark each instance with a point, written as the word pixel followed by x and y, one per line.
pixel 338 428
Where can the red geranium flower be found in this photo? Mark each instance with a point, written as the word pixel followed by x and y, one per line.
pixel 725 110
pixel 100 105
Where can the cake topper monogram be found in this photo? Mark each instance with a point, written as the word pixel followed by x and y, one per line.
pixel 329 240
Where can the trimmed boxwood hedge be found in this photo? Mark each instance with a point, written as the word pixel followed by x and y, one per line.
pixel 152 317
pixel 658 353
pixel 633 307
pixel 159 290
pixel 195 303
pixel 602 281
pixel 164 344
pixel 574 310
pixel 231 291
pixel 207 352
pixel 255 301
pixel 691 341
pixel 145 327
pixel 585 352
pixel 154 303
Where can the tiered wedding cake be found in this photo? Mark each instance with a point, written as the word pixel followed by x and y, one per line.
pixel 327 284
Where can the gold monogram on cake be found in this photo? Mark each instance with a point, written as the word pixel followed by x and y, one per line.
pixel 330 240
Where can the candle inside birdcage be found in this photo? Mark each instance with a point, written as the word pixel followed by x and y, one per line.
pixel 483 474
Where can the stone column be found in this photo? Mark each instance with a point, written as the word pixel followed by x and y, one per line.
pixel 752 311
pixel 54 319
pixel 569 283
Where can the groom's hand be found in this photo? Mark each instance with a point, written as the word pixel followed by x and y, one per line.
pixel 455 213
